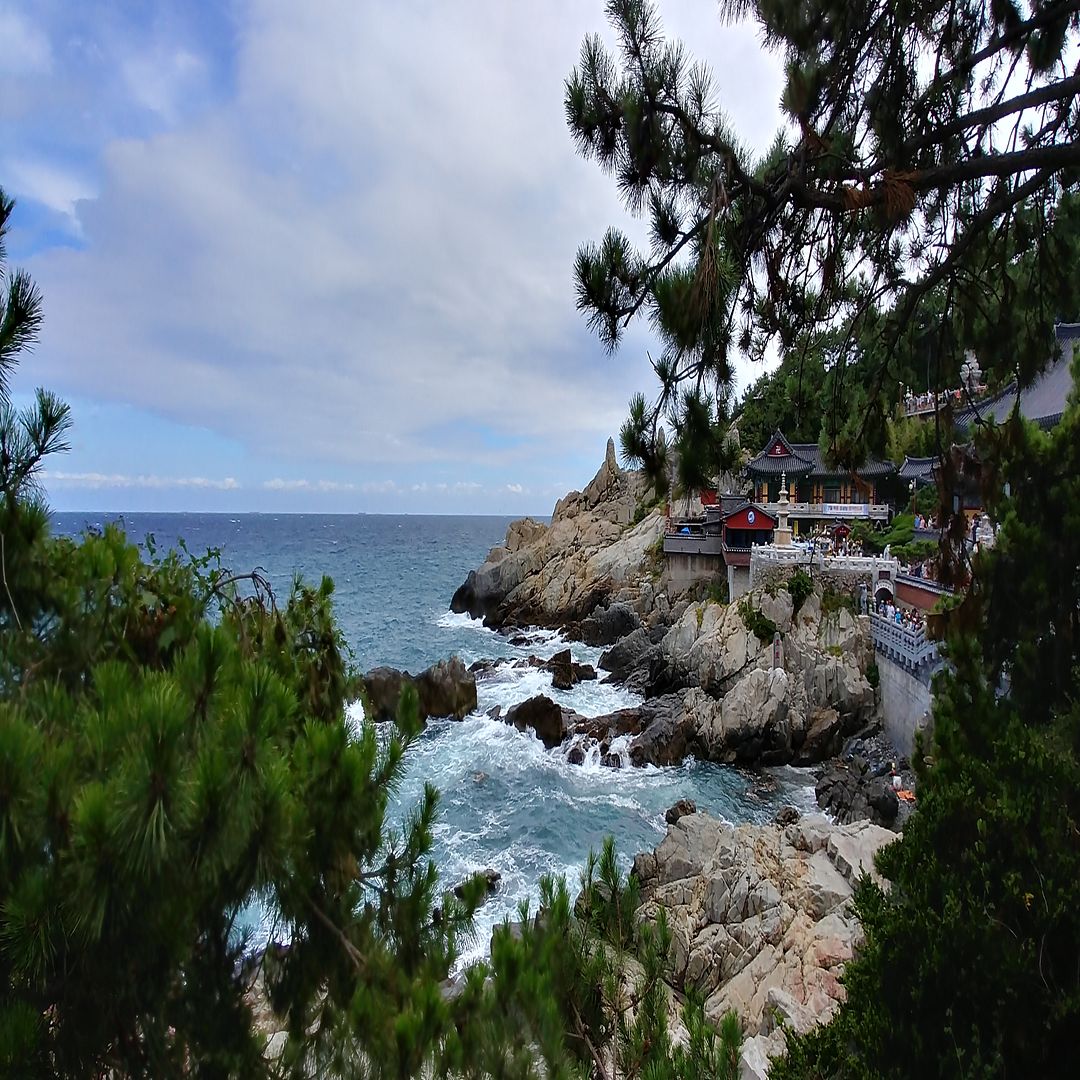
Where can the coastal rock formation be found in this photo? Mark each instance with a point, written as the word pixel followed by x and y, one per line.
pixel 561 573
pixel 543 716
pixel 850 791
pixel 761 915
pixel 742 708
pixel 608 625
pixel 446 688
pixel 565 672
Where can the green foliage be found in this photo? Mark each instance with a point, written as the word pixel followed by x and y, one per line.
pixel 900 532
pixel 582 985
pixel 800 585
pixel 915 436
pixel 654 557
pixel 927 501
pixel 30 435
pixel 643 510
pixel 873 675
pixel 789 399
pixel 641 446
pixel 916 551
pixel 970 964
pixel 762 627
pixel 718 590
pixel 833 600
pixel 888 228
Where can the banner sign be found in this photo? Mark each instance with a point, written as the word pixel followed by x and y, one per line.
pixel 853 510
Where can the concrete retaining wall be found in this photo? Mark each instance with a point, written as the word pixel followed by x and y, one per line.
pixel 683 570
pixel 905 704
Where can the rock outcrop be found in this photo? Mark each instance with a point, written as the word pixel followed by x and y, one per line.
pixel 566 672
pixel 744 709
pixel 761 915
pixel 541 715
pixel 446 688
pixel 853 791
pixel 562 573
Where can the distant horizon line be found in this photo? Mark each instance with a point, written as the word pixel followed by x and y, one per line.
pixel 286 513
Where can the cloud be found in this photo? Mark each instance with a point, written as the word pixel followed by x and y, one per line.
pixel 358 256
pixel 94 481
pixel 54 187
pixel 278 484
pixel 24 48
pixel 163 79
pixel 515 489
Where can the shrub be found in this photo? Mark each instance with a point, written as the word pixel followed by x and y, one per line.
pixel 762 627
pixel 800 585
pixel 718 590
pixel 833 600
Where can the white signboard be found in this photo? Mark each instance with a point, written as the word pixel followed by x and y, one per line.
pixel 846 510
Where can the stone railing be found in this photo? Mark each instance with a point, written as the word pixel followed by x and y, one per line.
pixel 770 564
pixel 873 511
pixel 907 647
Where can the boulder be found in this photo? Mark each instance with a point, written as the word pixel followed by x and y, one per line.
pixel 668 734
pixel 383 686
pixel 541 715
pixel 491 878
pixel 565 672
pixel 850 791
pixel 680 810
pixel 629 654
pixel 606 625
pixel 447 688
pixel 749 724
pixel 608 726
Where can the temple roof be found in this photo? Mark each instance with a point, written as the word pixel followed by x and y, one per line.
pixel 804 459
pixel 919 469
pixel 1043 401
pixel 745 504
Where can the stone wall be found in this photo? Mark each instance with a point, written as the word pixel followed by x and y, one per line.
pixel 682 570
pixel 905 704
pixel 770 568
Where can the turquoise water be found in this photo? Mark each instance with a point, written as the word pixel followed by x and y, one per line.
pixel 506 802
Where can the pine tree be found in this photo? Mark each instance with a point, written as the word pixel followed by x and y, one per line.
pixel 175 753
pixel 925 146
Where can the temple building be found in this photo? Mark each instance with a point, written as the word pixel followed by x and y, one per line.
pixel 817 492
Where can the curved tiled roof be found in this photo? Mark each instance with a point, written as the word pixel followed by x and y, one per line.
pixel 805 459
pixel 1043 402
pixel 919 469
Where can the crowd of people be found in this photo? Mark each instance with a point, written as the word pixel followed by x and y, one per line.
pixel 909 618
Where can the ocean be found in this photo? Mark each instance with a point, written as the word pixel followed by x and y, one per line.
pixel 506 802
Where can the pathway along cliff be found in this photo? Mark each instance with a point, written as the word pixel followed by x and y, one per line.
pixel 762 913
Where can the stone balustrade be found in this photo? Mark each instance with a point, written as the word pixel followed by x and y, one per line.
pixel 797 554
pixel 905 646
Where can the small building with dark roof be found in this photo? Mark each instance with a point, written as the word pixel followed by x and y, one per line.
pixel 698 549
pixel 919 469
pixel 816 491
pixel 1043 402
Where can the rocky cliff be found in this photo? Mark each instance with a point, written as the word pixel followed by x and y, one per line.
pixel 746 708
pixel 559 573
pixel 761 918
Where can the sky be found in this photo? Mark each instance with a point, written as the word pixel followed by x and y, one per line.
pixel 316 257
